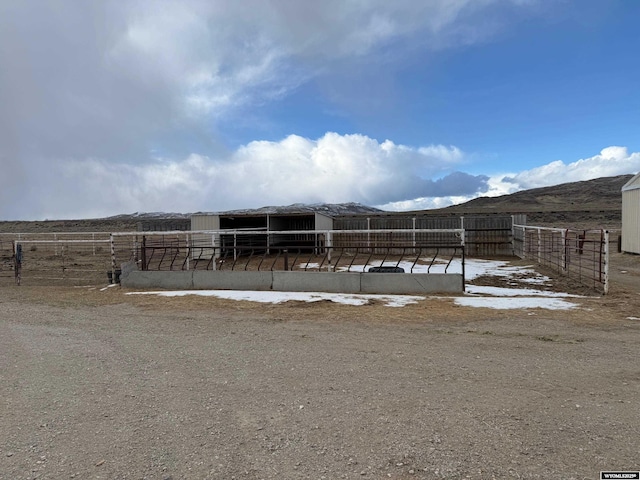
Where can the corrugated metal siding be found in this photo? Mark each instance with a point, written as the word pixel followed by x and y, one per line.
pixel 631 220
pixel 205 222
pixel 484 236
pixel 489 235
pixel 202 243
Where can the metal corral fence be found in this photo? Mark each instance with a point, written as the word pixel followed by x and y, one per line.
pixel 485 235
pixel 96 258
pixel 580 254
pixel 302 251
pixel 57 258
pixel 257 250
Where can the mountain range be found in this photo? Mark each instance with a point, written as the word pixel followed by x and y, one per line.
pixel 593 203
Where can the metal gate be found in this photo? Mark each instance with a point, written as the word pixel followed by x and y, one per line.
pixel 582 255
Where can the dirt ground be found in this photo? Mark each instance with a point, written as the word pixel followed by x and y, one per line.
pixel 101 385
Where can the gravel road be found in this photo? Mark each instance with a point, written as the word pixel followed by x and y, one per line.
pixel 101 385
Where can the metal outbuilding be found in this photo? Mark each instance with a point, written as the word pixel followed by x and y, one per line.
pixel 631 215
pixel 271 219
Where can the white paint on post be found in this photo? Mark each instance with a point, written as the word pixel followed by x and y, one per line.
pixel 216 243
pixel 539 246
pixel 414 234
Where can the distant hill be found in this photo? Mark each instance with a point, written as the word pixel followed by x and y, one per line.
pixel 590 203
pixel 330 209
pixel 597 194
pixel 162 221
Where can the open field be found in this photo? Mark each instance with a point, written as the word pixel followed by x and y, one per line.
pixel 100 384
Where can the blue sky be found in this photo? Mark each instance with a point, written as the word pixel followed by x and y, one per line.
pixel 112 107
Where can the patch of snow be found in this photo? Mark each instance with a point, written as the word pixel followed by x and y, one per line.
pixel 539 280
pixel 514 303
pixel 280 297
pixel 475 268
pixel 309 265
pixel 633 318
pixel 513 292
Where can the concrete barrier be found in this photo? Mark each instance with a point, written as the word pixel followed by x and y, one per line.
pixel 232 280
pixel 181 280
pixel 343 282
pixel 402 283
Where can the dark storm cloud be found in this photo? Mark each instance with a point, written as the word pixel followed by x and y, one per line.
pixel 63 92
pixel 97 92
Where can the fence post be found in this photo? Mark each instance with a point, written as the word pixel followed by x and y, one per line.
pixel 414 234
pixel 606 262
pixel 513 235
pixel 188 249
pixel 113 258
pixel 329 248
pixel 143 252
pixel 564 251
pixel 216 243
pixel 464 286
pixel 539 246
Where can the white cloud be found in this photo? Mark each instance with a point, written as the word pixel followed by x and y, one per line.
pixel 611 161
pixel 334 168
pixel 426 203
pixel 90 88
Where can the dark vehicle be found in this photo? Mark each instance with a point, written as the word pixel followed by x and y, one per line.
pixel 386 270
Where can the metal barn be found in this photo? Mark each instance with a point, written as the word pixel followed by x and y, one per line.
pixel 631 215
pixel 281 221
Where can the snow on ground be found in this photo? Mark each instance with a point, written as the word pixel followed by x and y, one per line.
pixel 280 297
pixel 513 292
pixel 475 295
pixel 511 303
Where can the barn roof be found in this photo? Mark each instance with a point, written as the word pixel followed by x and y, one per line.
pixel 632 184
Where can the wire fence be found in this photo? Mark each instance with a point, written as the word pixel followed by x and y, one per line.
pixel 582 255
pixel 57 258
pixel 96 258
